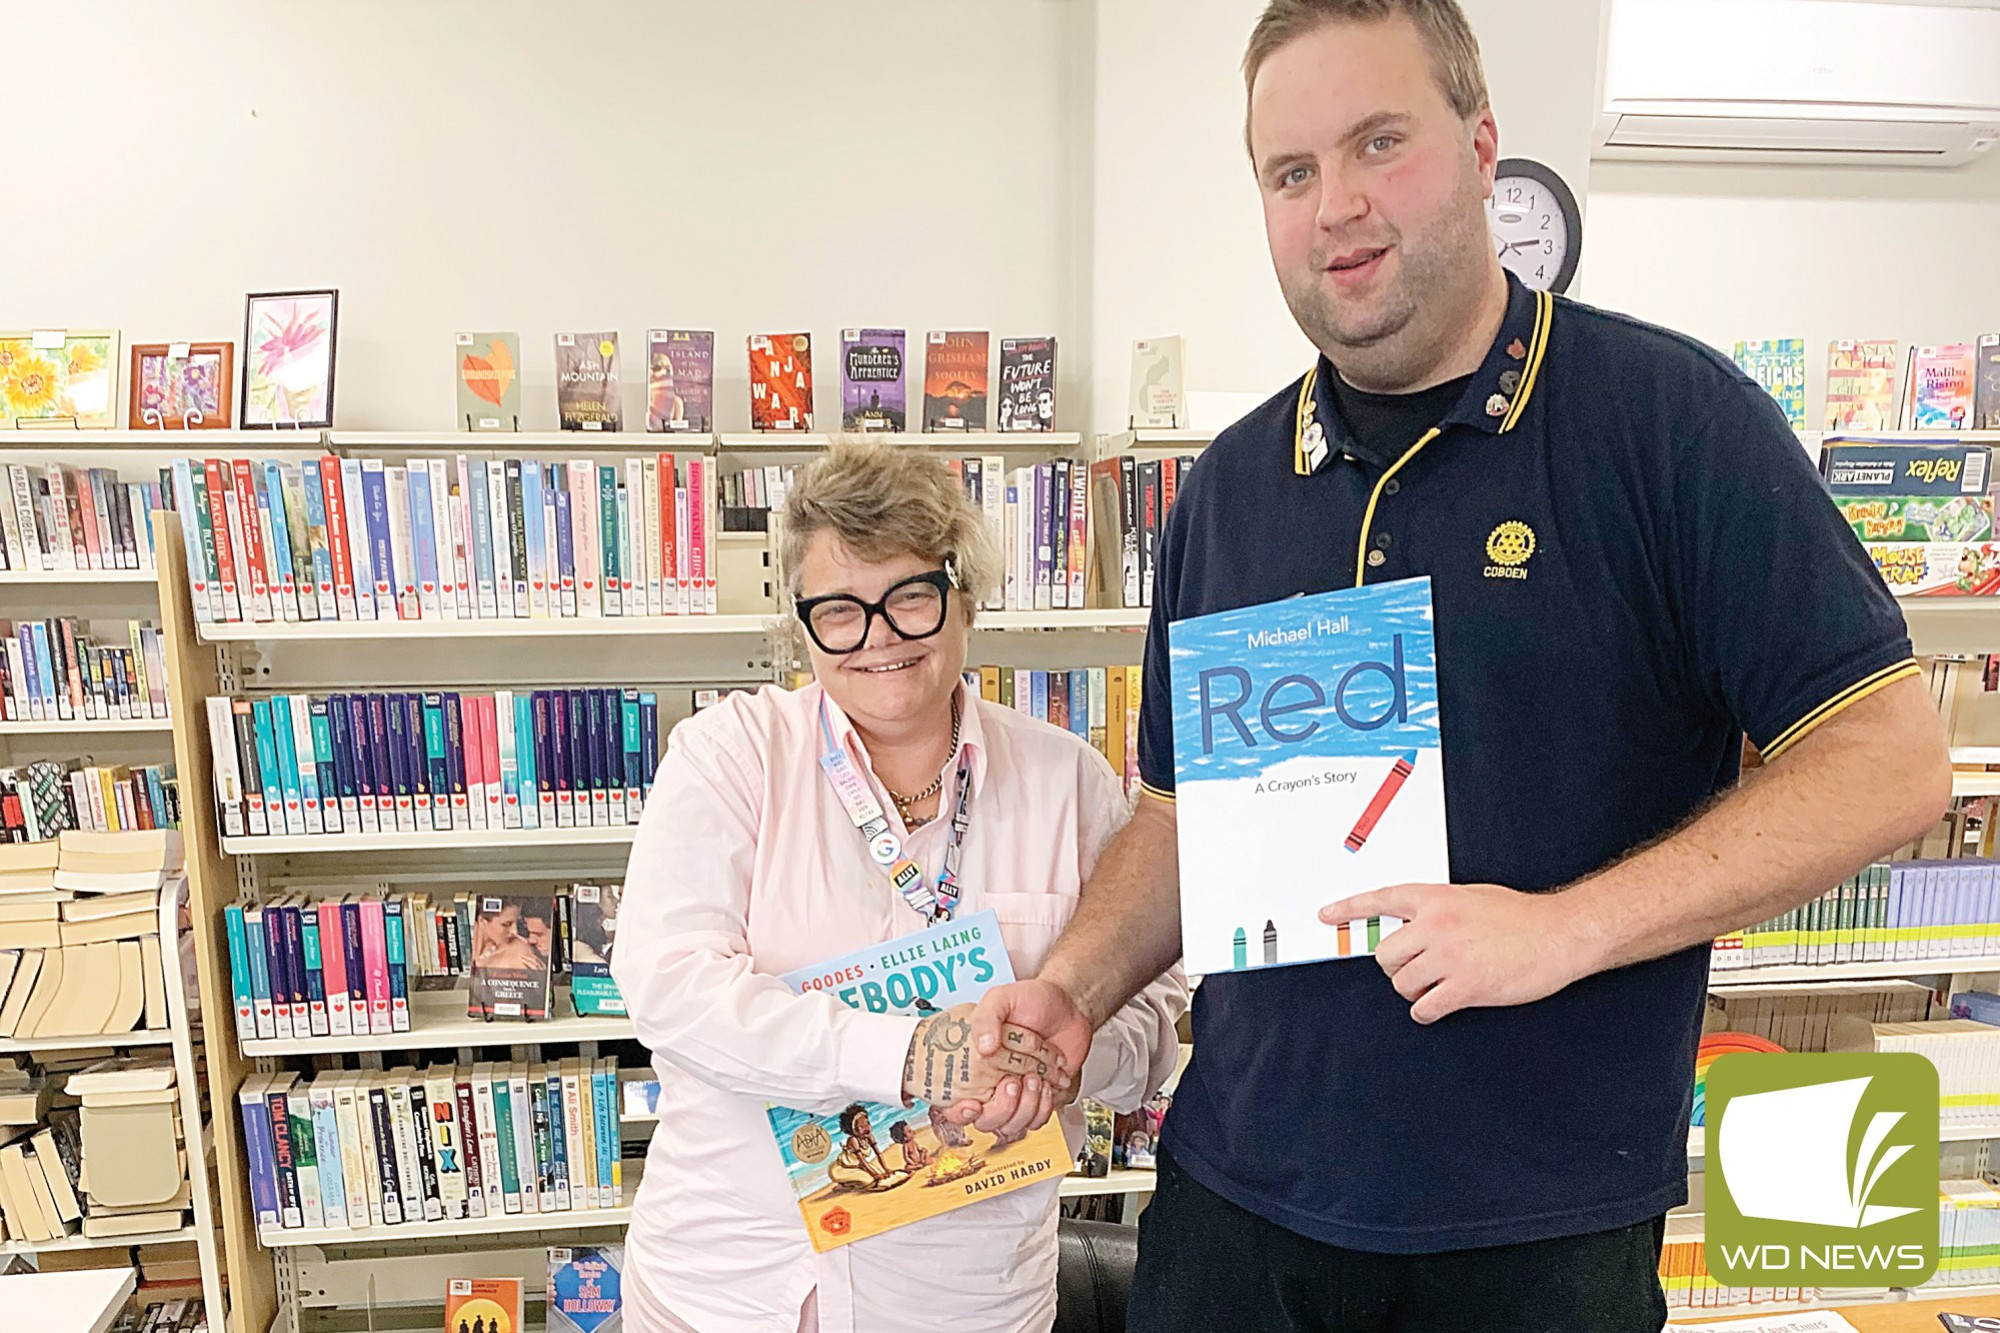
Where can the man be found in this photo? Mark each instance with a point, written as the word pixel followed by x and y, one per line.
pixel 1633 567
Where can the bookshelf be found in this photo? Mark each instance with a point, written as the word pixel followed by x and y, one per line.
pixel 66 578
pixel 1926 967
pixel 1021 443
pixel 457 840
pixel 82 726
pixel 502 444
pixel 418 1233
pixel 438 1022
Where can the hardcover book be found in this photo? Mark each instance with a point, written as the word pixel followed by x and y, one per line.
pixel 489 381
pixel 593 934
pixel 955 381
pixel 587 381
pixel 1158 397
pixel 1939 393
pixel 869 1168
pixel 1779 367
pixel 680 380
pixel 872 396
pixel 512 937
pixel 1027 384
pixel 1861 385
pixel 1308 767
pixel 781 381
pixel 584 1293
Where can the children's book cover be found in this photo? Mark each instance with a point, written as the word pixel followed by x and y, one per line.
pixel 955 381
pixel 1027 384
pixel 489 381
pixel 1861 384
pixel 513 937
pixel 1939 395
pixel 593 934
pixel 869 1168
pixel 585 1292
pixel 482 1305
pixel 872 396
pixel 781 381
pixel 1779 367
pixel 1308 766
pixel 680 380
pixel 587 382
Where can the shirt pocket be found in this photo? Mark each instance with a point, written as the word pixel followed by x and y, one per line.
pixel 1030 923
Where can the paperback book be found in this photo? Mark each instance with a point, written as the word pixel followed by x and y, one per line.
pixel 870 1168
pixel 593 934
pixel 872 396
pixel 1779 367
pixel 680 380
pixel 1308 767
pixel 512 938
pixel 492 1304
pixel 955 381
pixel 585 1289
pixel 1027 384
pixel 489 381
pixel 781 381
pixel 587 381
pixel 1158 399
pixel 1940 390
pixel 1861 385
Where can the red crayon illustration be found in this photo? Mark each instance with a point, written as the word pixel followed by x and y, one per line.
pixel 1399 774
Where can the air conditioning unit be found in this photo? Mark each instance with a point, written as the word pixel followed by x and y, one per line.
pixel 1818 81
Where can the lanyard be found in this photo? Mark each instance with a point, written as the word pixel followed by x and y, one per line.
pixel 884 847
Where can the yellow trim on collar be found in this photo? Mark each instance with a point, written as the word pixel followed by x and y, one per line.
pixel 1300 418
pixel 1368 515
pixel 1853 694
pixel 1148 789
pixel 1538 346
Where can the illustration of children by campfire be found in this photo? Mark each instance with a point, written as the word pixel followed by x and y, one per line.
pixel 859 1165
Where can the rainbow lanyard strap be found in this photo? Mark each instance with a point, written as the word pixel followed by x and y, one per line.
pixel 885 848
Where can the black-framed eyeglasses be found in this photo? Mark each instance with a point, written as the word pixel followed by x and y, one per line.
pixel 914 607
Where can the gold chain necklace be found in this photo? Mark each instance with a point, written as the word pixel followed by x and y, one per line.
pixel 904 804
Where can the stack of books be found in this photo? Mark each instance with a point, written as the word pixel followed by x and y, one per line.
pixel 82 957
pixel 39 1161
pixel 1966 1053
pixel 137 1163
pixel 439 761
pixel 351 1150
pixel 66 669
pixel 443 539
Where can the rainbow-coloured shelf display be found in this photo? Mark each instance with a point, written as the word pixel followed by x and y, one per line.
pixel 1713 1047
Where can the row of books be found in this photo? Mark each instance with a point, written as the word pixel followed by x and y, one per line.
pixel 350 1150
pixel 1947 386
pixel 64 518
pixel 1689 1285
pixel 181 1315
pixel 585 1294
pixel 435 761
pixel 1802 1016
pixel 431 539
pixel 64 669
pixel 1130 500
pixel 680 381
pixel 1968 1234
pixel 1903 911
pixel 47 797
pixel 1099 704
pixel 83 968
pixel 1965 1051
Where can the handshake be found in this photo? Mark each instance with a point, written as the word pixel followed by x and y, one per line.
pixel 1004 1065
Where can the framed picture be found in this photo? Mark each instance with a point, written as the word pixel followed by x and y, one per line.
pixel 288 341
pixel 182 386
pixel 59 377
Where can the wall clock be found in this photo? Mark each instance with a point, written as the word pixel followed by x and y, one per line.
pixel 1537 228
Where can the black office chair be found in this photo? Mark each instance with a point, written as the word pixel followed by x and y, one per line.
pixel 1094 1263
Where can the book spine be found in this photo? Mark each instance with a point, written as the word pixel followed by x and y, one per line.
pixel 456 771
pixel 583 536
pixel 577 1134
pixel 527 1139
pixel 1059 494
pixel 444 536
pixel 353 1171
pixel 199 566
pixel 256 939
pixel 1128 530
pixel 388 1163
pixel 360 750
pixel 333 969
pixel 333 742
pixel 632 524
pixel 564 577
pixel 427 1153
pixel 260 1153
pixel 295 970
pixel 331 1186
pixel 252 519
pixel 649 742
pixel 527 725
pixel 630 747
pixel 306 757
pixel 470 1162
pixel 314 973
pixel 1079 532
pixel 229 802
pixel 267 766
pixel 670 582
pixel 375 964
pixel 403 1129
pixel 1043 537
pixel 239 973
pixel 610 578
pixel 699 485
pixel 305 1157
pixel 501 527
pixel 398 751
pixel 319 537
pixel 649 489
pixel 424 540
pixel 551 1174
pixel 279 1114
pixel 393 927
pixel 381 546
pixel 360 537
pixel 505 1140
pixel 534 537
pixel 551 565
pixel 275 523
pixel 517 536
pixel 402 543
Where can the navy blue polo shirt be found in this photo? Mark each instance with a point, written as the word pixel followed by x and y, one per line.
pixel 1633 565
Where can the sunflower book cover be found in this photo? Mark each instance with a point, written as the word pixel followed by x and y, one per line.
pixel 1308 766
pixel 865 1168
pixel 489 381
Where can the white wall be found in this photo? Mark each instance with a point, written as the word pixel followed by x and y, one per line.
pixel 1179 236
pixel 511 164
pixel 1729 252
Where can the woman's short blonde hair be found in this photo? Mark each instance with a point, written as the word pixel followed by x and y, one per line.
pixel 883 500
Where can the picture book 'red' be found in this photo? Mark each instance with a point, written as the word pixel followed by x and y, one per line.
pixel 781 381
pixel 867 1168
pixel 1308 766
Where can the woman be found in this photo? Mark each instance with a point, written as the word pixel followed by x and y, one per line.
pixel 747 865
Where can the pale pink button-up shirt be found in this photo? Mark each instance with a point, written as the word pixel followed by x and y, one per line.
pixel 746 866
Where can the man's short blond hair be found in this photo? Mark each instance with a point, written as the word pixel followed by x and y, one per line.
pixel 1453 49
pixel 883 500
